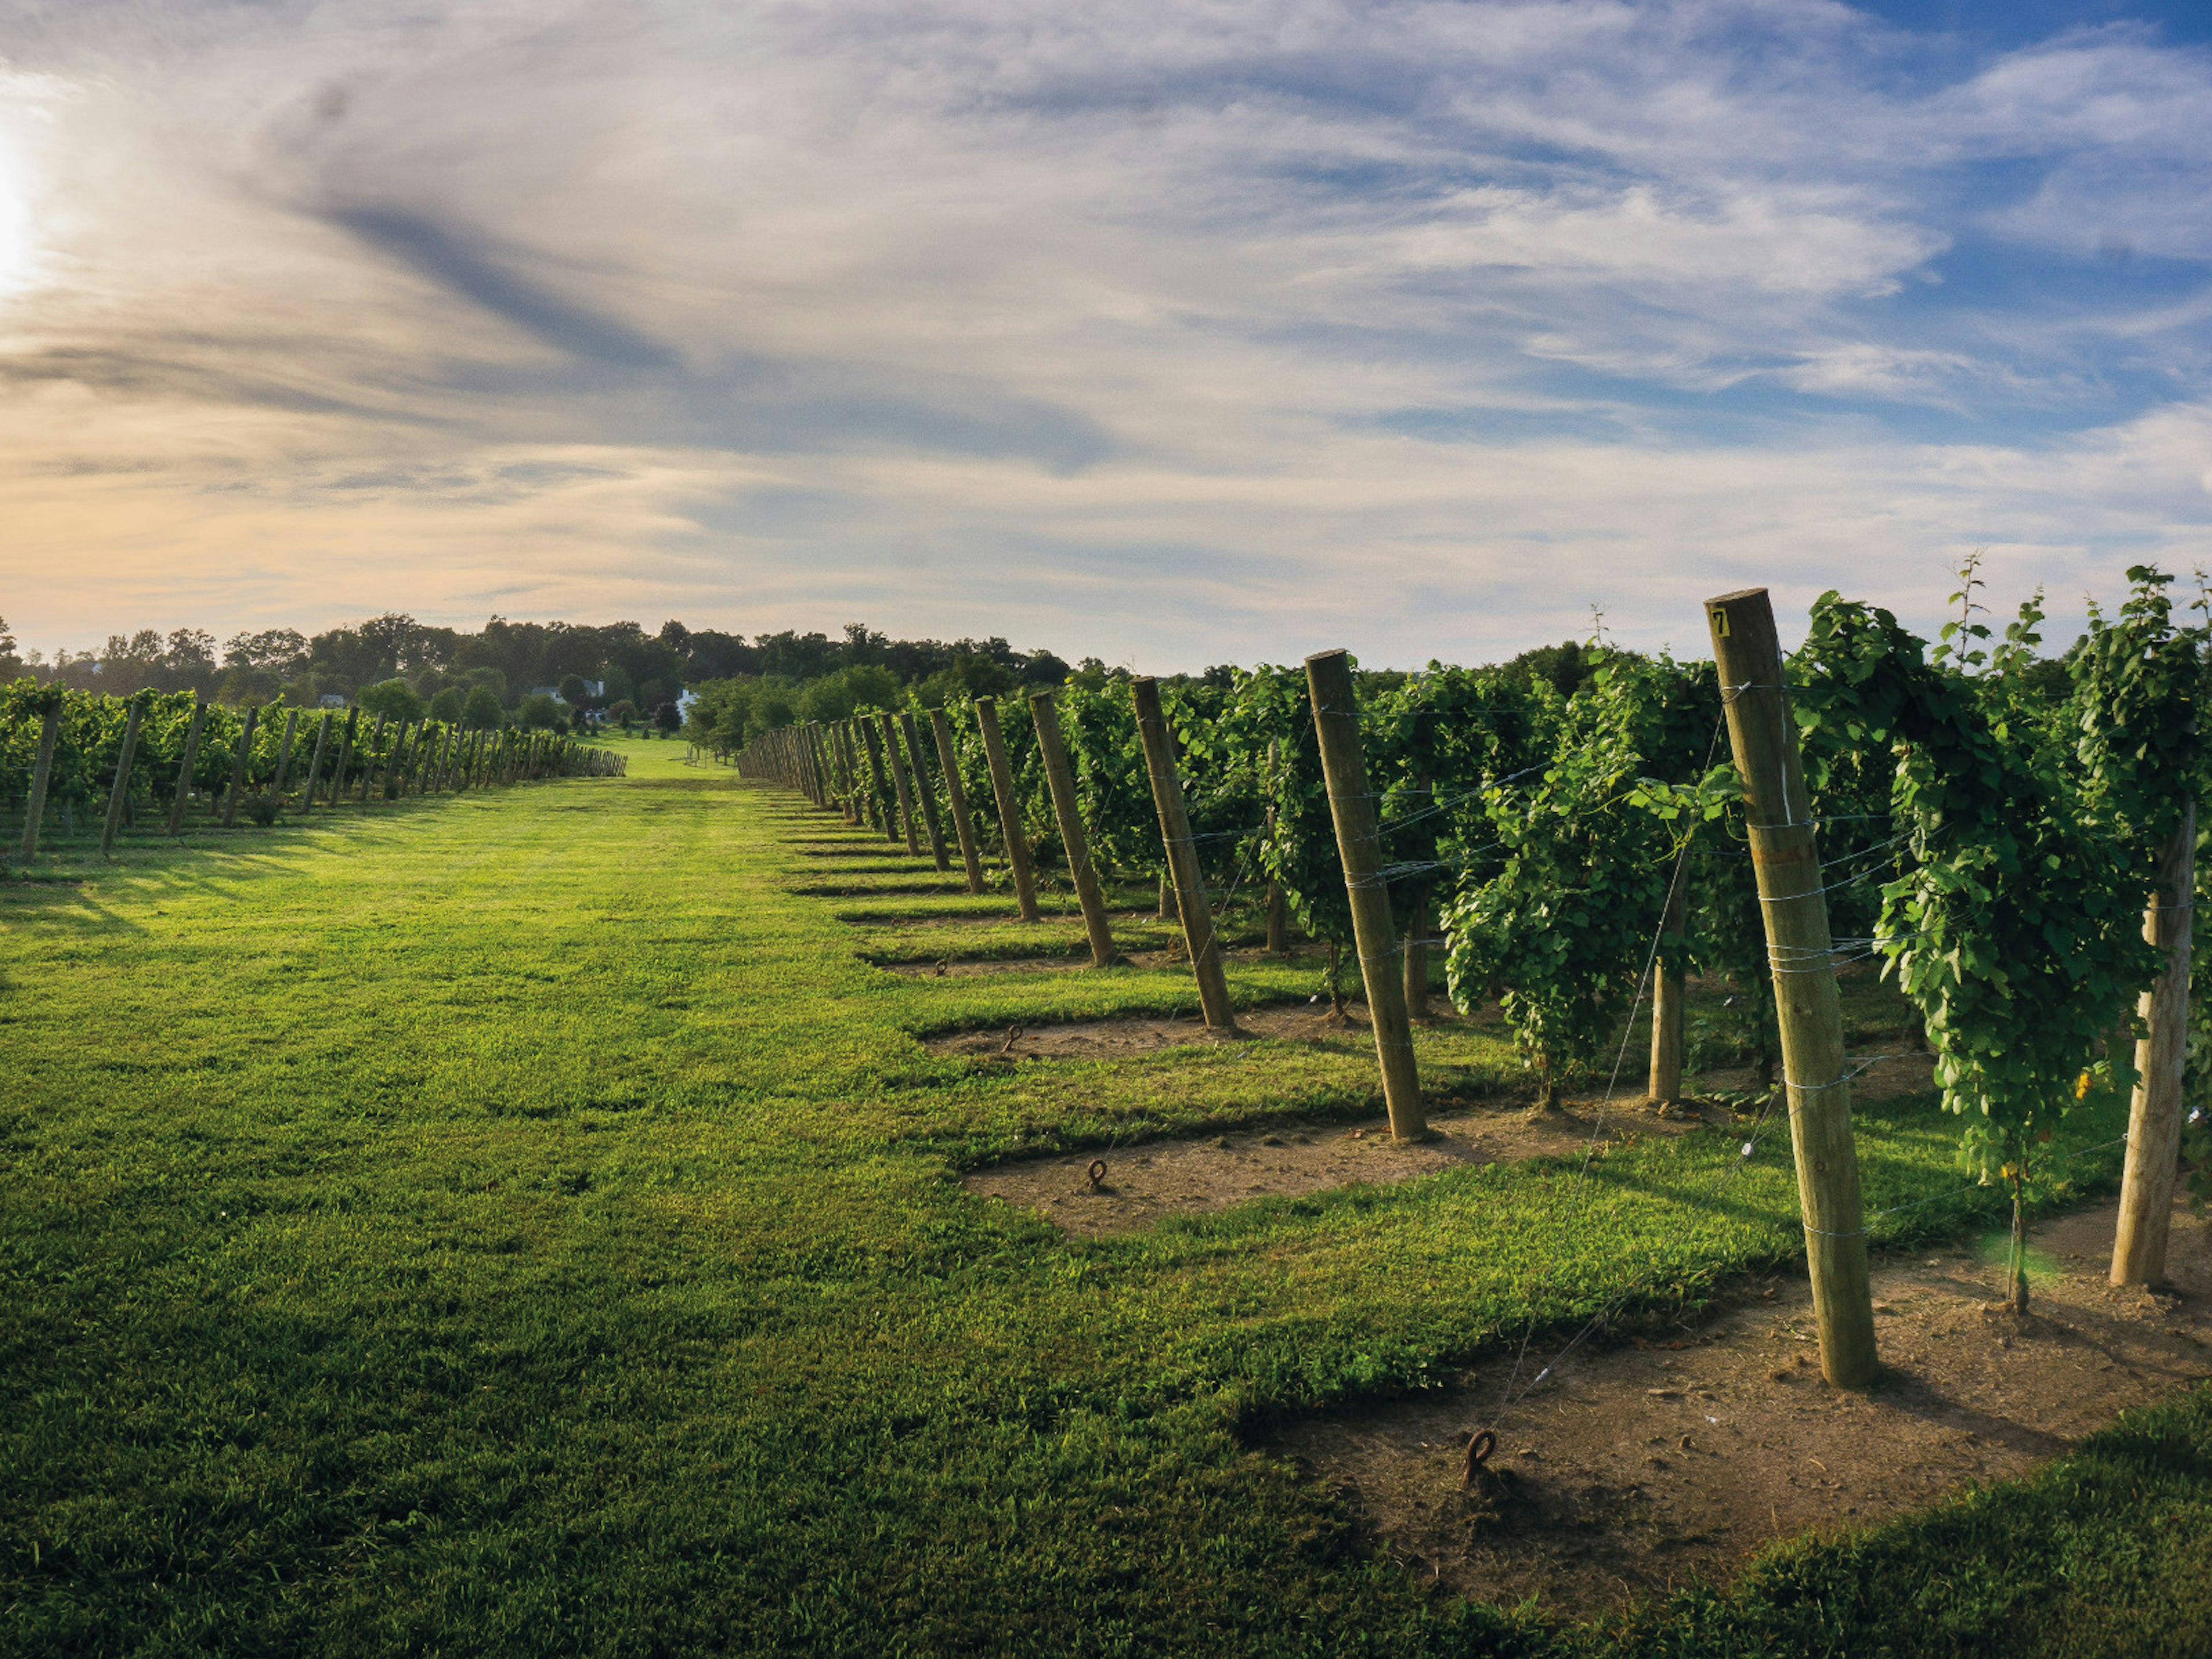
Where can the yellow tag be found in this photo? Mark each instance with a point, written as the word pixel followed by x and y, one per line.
pixel 1720 624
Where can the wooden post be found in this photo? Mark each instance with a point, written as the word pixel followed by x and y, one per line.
pixel 2154 1113
pixel 898 777
pixel 1669 994
pixel 1416 958
pixel 964 826
pixel 1763 737
pixel 1010 809
pixel 882 814
pixel 239 766
pixel 185 766
pixel 42 770
pixel 368 757
pixel 284 752
pixel 315 761
pixel 1358 844
pixel 1044 711
pixel 345 754
pixel 1189 879
pixel 1279 904
pixel 848 766
pixel 121 792
pixel 920 769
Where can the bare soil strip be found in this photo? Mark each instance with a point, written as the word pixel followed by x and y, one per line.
pixel 1145 1182
pixel 1077 959
pixel 1639 1470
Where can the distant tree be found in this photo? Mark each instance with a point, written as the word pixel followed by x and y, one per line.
pixel 572 690
pixel 670 718
pixel 579 721
pixel 450 704
pixel 483 711
pixel 240 685
pixel 675 636
pixel 623 713
pixel 11 665
pixel 281 650
pixel 394 699
pixel 540 713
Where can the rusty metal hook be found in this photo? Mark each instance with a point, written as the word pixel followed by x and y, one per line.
pixel 1098 1174
pixel 1478 1454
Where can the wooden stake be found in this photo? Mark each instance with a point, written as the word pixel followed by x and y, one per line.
pixel 1358 844
pixel 1044 713
pixel 1669 993
pixel 42 771
pixel 238 766
pixel 1763 737
pixel 345 755
pixel 121 792
pixel 919 768
pixel 184 767
pixel 899 780
pixel 368 757
pixel 284 752
pixel 964 826
pixel 1279 904
pixel 882 813
pixel 315 761
pixel 2154 1114
pixel 1010 809
pixel 1199 937
pixel 1416 956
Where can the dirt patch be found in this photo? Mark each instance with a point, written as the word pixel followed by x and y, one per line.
pixel 1143 1183
pixel 1096 1038
pixel 1636 1470
pixel 1077 958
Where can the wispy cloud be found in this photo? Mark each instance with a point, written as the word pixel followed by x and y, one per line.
pixel 1167 331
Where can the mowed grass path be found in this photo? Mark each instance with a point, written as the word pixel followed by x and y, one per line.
pixel 518 1222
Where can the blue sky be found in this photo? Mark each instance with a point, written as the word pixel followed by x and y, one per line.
pixel 1170 333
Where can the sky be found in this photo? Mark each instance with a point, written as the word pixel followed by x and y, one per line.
pixel 1171 334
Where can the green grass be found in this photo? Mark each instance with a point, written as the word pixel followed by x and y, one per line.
pixel 520 1223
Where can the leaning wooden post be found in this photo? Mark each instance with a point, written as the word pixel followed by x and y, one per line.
pixel 1198 933
pixel 1416 956
pixel 1010 808
pixel 2154 1114
pixel 848 774
pixel 284 752
pixel 185 765
pixel 964 826
pixel 1784 859
pixel 368 757
pixel 1360 845
pixel 238 767
pixel 919 768
pixel 42 770
pixel 121 792
pixel 1044 712
pixel 1669 994
pixel 899 778
pixel 315 762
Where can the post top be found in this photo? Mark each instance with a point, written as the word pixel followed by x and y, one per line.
pixel 1323 656
pixel 1741 593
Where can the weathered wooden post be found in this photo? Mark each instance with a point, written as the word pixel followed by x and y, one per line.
pixel 919 768
pixel 1044 713
pixel 238 767
pixel 883 813
pixel 121 793
pixel 368 757
pixel 185 764
pixel 1358 844
pixel 1669 993
pixel 1279 905
pixel 345 755
pixel 1416 949
pixel 284 752
pixel 315 761
pixel 1010 807
pixel 1199 937
pixel 899 778
pixel 1786 862
pixel 963 825
pixel 42 769
pixel 2154 1113
pixel 849 767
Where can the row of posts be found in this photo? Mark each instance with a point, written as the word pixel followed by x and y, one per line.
pixel 825 764
pixel 425 759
